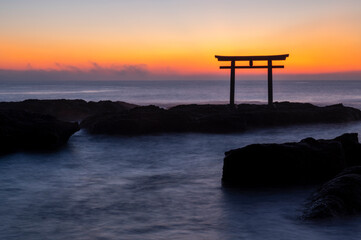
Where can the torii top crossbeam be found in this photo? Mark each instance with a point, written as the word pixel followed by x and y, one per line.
pixel 251 59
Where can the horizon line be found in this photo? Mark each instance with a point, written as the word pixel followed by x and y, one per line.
pixel 139 74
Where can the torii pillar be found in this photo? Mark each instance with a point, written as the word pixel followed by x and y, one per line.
pixel 269 66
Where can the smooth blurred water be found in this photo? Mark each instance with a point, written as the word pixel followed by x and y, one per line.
pixel 154 187
pixel 160 186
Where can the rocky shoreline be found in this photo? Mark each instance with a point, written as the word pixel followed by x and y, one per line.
pixel 26 131
pixel 46 125
pixel 214 118
pixel 334 162
pixel 309 161
pixel 338 197
pixel 67 110
pixel 120 118
pixel 33 117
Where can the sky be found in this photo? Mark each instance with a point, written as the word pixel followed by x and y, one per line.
pixel 169 39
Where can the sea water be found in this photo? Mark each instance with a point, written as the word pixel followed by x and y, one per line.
pixel 164 186
pixel 168 93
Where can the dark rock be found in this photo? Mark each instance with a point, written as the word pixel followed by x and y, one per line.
pixel 67 110
pixel 215 118
pixel 24 131
pixel 140 120
pixel 352 149
pixel 306 162
pixel 338 197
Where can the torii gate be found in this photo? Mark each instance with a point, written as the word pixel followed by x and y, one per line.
pixel 269 66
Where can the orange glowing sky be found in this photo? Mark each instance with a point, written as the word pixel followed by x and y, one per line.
pixel 179 37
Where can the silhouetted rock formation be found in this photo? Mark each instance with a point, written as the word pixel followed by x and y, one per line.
pixel 140 120
pixel 215 118
pixel 24 131
pixel 338 197
pixel 67 110
pixel 306 162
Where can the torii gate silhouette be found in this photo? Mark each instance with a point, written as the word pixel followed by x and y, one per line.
pixel 269 66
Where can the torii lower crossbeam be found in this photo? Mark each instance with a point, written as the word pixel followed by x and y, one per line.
pixel 251 59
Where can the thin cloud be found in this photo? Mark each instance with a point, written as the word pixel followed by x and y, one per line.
pixel 63 67
pixel 98 72
pixel 96 66
pixel 69 72
pixel 29 66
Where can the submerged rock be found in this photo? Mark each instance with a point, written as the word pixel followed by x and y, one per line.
pixel 338 197
pixel 306 162
pixel 24 131
pixel 215 118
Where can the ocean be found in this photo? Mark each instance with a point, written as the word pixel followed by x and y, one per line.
pixel 165 186
pixel 167 93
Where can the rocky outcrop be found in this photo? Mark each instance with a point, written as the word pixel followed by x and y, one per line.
pixel 306 162
pixel 24 131
pixel 215 118
pixel 339 197
pixel 140 120
pixel 67 110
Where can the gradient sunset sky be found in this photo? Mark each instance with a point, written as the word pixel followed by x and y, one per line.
pixel 167 38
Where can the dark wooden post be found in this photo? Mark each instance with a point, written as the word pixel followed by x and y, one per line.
pixel 231 99
pixel 270 87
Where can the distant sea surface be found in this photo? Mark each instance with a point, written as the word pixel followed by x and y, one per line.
pixel 165 93
pixel 164 186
